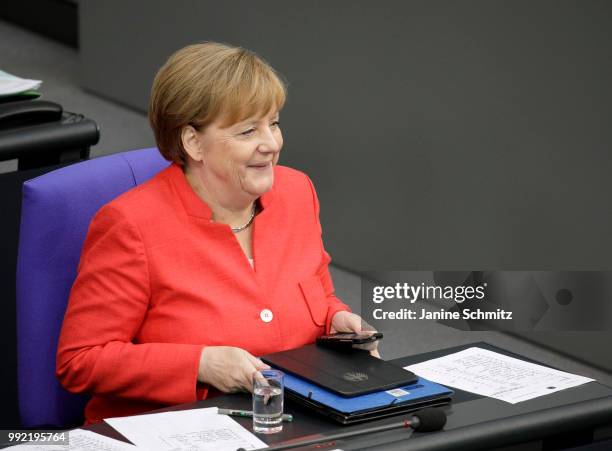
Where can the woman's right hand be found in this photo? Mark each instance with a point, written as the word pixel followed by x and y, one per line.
pixel 228 368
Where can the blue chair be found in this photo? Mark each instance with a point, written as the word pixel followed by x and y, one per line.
pixel 56 211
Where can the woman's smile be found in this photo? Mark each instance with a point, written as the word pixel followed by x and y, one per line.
pixel 260 166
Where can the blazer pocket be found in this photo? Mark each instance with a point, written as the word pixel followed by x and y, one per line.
pixel 313 292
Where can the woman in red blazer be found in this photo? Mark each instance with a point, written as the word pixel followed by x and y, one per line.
pixel 186 278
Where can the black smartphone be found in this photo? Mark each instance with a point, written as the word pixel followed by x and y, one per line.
pixel 348 340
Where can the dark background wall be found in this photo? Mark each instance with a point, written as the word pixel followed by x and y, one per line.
pixel 440 134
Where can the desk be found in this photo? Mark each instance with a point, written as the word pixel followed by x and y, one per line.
pixel 559 420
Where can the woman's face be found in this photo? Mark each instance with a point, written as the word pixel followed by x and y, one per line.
pixel 239 159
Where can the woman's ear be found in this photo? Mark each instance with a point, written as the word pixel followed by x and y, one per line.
pixel 191 142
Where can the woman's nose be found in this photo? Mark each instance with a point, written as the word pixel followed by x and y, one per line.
pixel 271 142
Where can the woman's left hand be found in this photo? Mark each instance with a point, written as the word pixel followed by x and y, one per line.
pixel 344 321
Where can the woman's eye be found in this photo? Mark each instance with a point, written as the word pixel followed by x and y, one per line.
pixel 275 124
pixel 248 132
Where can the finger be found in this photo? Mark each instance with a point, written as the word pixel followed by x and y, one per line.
pixel 257 376
pixel 248 369
pixel 257 363
pixel 250 374
pixel 261 365
pixel 367 332
pixel 261 382
pixel 367 346
pixel 341 322
pixel 366 327
pixel 354 323
pixel 346 323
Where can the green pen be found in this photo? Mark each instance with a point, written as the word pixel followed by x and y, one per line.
pixel 249 413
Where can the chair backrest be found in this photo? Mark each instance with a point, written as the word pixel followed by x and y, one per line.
pixel 56 211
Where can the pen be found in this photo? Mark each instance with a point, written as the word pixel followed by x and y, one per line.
pixel 249 413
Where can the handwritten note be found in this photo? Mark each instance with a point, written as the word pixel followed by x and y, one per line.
pixel 498 376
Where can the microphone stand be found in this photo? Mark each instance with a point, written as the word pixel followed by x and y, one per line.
pixel 412 423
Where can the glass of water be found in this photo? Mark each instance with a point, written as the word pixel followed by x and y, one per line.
pixel 268 388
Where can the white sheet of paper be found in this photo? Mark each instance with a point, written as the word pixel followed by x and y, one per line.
pixel 81 440
pixel 196 429
pixel 10 84
pixel 498 376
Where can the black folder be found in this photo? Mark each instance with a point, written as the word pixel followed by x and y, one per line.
pixel 371 406
pixel 346 373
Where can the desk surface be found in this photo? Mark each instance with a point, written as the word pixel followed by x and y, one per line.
pixel 474 422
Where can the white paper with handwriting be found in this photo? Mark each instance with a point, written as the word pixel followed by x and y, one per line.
pixel 498 376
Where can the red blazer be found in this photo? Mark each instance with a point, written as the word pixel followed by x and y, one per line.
pixel 158 281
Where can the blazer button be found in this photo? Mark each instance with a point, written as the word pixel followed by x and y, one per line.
pixel 266 315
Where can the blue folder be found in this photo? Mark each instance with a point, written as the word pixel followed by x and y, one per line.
pixel 422 393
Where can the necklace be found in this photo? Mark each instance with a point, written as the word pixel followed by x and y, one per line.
pixel 248 223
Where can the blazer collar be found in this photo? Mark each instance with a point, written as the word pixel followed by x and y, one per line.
pixel 194 206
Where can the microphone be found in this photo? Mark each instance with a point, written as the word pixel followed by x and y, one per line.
pixel 428 420
pixel 425 420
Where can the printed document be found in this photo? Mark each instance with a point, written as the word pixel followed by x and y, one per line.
pixel 81 440
pixel 498 376
pixel 192 430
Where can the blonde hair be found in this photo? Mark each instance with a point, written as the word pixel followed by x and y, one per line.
pixel 204 82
